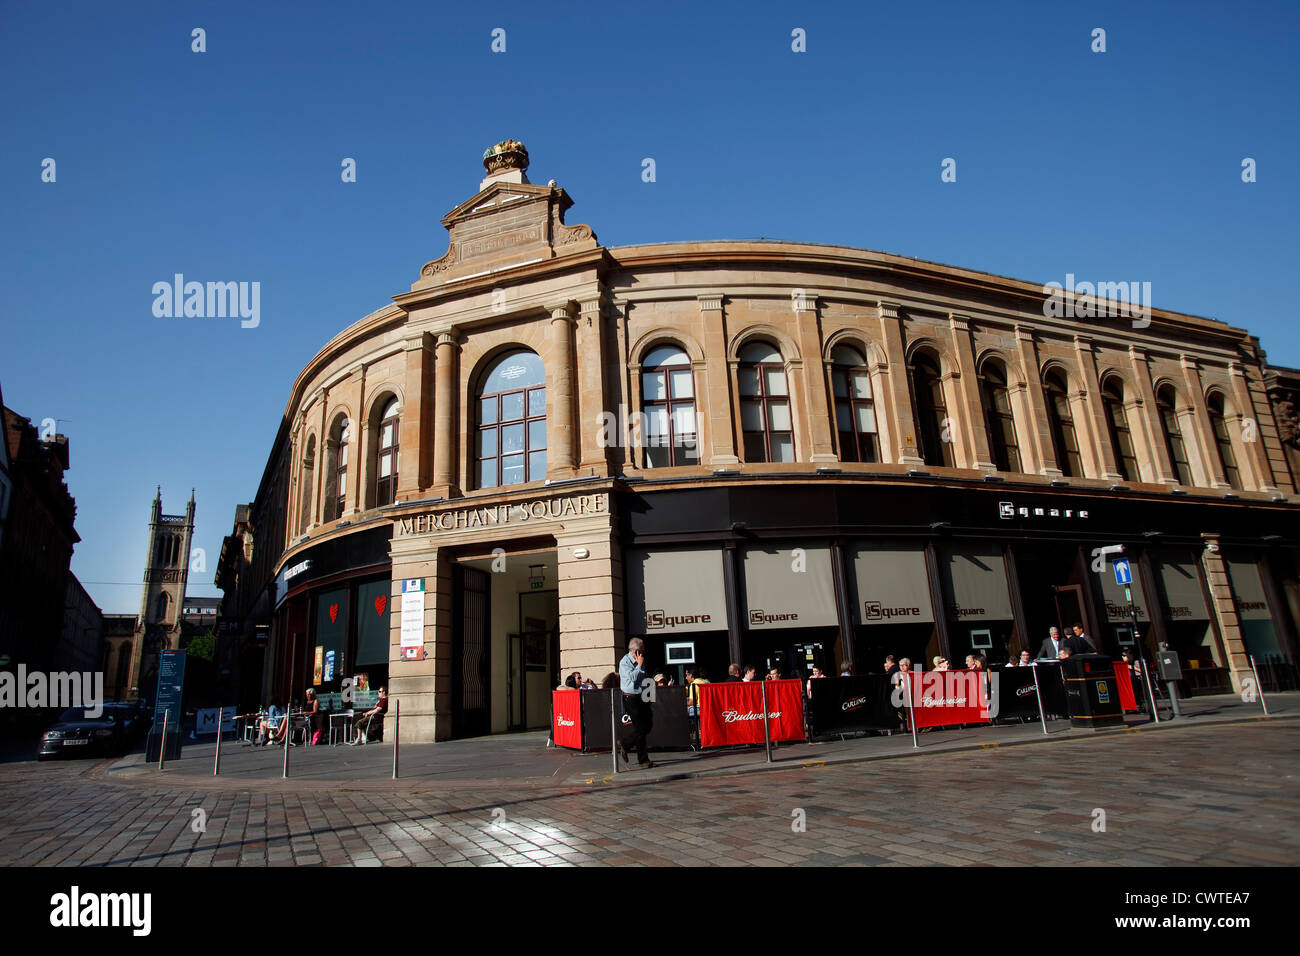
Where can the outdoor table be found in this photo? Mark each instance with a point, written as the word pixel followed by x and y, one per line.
pixel 345 731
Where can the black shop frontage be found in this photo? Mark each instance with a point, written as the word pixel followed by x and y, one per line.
pixel 840 572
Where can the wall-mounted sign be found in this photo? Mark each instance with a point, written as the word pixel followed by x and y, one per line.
pixel 318 665
pixel 413 619
pixel 1009 509
pixel 486 516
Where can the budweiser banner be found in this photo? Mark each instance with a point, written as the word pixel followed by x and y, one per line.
pixel 946 698
pixel 732 713
pixel 1124 687
pixel 566 723
pixel 846 705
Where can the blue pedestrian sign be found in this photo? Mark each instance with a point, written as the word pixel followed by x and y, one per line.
pixel 1123 572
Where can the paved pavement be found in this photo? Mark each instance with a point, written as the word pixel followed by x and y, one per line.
pixel 1205 791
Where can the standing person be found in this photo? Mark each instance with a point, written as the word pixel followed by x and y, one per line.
pixel 816 673
pixel 695 676
pixel 891 667
pixel 733 673
pixel 751 673
pixel 1080 642
pixel 631 672
pixel 1052 645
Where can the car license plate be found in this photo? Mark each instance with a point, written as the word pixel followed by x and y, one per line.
pixel 74 743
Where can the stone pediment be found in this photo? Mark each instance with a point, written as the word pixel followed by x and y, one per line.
pixel 506 224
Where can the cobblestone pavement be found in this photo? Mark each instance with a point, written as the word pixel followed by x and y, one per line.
pixel 1222 795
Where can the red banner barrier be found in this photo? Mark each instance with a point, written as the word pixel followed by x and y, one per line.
pixel 566 722
pixel 732 713
pixel 1124 687
pixel 947 698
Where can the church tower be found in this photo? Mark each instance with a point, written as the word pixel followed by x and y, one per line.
pixel 166 570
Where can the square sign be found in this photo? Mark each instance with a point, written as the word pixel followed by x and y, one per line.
pixel 1123 571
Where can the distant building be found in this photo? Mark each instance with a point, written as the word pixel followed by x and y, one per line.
pixel 80 646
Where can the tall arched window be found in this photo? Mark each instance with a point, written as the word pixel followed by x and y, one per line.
pixel 510 446
pixel 336 469
pixel 1227 458
pixel 764 404
pixel 1061 421
pixel 668 402
pixel 160 608
pixel 855 412
pixel 1121 439
pixel 386 450
pixel 999 417
pixel 1165 408
pixel 931 410
pixel 308 487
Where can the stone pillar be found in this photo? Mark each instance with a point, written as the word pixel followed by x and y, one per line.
pixel 1205 445
pixel 1256 459
pixel 592 637
pixel 964 401
pixel 355 395
pixel 445 379
pixel 723 422
pixel 423 686
pixel 821 444
pixel 1149 425
pixel 1039 431
pixel 1099 455
pixel 905 448
pixel 318 489
pixel 1224 607
pixel 559 419
pixel 593 396
pixel 414 429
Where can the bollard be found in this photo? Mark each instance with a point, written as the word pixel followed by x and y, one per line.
pixel 1151 691
pixel 216 761
pixel 162 742
pixel 1259 688
pixel 1039 696
pixel 397 732
pixel 613 726
pixel 767 737
pixel 911 718
pixel 288 736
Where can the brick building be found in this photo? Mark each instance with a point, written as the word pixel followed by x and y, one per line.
pixel 773 452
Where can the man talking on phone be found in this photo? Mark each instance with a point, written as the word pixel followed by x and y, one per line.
pixel 631 674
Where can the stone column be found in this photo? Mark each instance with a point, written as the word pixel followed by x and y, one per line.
pixel 414 430
pixel 1148 425
pixel 318 489
pixel 821 444
pixel 904 448
pixel 355 396
pixel 1039 431
pixel 1205 445
pixel 445 379
pixel 559 425
pixel 592 637
pixel 423 686
pixel 593 396
pixel 1256 458
pixel 723 422
pixel 1224 606
pixel 1099 454
pixel 964 401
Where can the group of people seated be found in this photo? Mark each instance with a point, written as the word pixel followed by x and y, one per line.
pixel 275 726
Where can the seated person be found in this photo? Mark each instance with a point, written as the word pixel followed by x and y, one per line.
pixel 311 710
pixel 268 725
pixel 370 724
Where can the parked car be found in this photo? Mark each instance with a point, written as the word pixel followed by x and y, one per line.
pixel 78 733
pixel 136 719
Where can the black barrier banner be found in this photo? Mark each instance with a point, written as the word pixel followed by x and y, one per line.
pixel 1051 686
pixel 670 730
pixel 848 705
pixel 1016 697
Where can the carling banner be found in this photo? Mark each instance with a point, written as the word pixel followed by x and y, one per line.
pixel 566 723
pixel 732 713
pixel 947 698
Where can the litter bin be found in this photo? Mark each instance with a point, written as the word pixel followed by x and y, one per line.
pixel 1091 698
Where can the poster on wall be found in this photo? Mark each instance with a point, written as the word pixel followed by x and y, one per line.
pixel 413 619
pixel 317 666
pixel 329 666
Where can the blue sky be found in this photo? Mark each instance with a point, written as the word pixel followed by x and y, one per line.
pixel 224 166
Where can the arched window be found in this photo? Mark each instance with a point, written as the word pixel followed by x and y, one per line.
pixel 308 477
pixel 1121 439
pixel 764 404
pixel 510 447
pixel 668 401
pixel 336 469
pixel 1231 474
pixel 1165 407
pixel 999 417
pixel 386 449
pixel 931 410
pixel 855 412
pixel 160 608
pixel 1064 441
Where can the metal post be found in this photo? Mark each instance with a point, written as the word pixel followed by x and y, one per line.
pixel 767 736
pixel 1259 687
pixel 288 735
pixel 1039 695
pixel 911 718
pixel 397 732
pixel 162 743
pixel 216 761
pixel 1142 661
pixel 613 725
